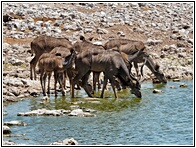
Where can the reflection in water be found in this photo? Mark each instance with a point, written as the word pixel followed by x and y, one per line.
pixel 156 119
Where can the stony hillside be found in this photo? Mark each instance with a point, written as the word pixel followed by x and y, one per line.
pixel 165 28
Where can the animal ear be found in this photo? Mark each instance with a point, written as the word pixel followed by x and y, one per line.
pixel 157 67
pixel 66 60
pixel 82 38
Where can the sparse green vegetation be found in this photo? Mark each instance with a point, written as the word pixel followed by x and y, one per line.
pixel 9 67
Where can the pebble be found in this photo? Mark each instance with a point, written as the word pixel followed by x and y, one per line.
pixel 12 123
pixel 176 80
pixel 171 87
pixel 183 85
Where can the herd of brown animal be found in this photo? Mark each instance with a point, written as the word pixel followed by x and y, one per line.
pixel 77 61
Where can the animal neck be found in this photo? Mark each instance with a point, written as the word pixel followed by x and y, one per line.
pixel 151 65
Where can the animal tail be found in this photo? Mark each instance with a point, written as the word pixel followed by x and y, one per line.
pixel 32 49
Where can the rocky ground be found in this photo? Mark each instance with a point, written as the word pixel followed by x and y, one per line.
pixel 165 28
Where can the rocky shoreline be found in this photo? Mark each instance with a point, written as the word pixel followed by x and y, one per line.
pixel 165 28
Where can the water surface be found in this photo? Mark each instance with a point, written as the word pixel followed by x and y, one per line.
pixel 156 119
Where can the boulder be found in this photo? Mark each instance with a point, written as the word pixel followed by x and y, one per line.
pixel 157 91
pixel 44 112
pixel 7 18
pixel 80 113
pixel 67 141
pixel 17 123
pixel 6 130
pixel 15 90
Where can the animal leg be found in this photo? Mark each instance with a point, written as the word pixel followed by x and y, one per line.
pixel 44 78
pixel 99 85
pixel 84 83
pixel 55 82
pixel 32 68
pixel 131 58
pixel 112 80
pixel 104 86
pixel 61 79
pixel 70 74
pixel 75 81
pixel 96 80
pixel 137 70
pixel 117 84
pixel 41 81
pixel 49 76
pixel 72 89
pixel 64 81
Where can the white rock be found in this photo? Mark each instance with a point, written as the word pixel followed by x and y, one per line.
pixel 6 130
pixel 102 31
pixel 15 123
pixel 70 141
pixel 157 91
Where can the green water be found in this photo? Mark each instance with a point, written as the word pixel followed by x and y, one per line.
pixel 156 119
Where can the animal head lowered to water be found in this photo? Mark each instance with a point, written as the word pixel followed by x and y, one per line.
pixel 159 74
